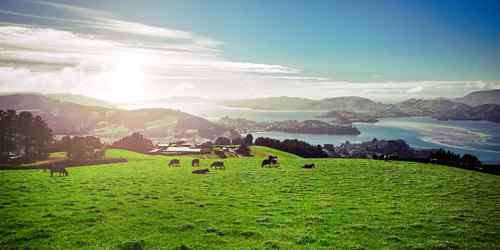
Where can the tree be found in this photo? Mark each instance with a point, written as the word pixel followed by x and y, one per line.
pixel 7 134
pixel 83 148
pixel 237 141
pixel 446 157
pixel 248 139
pixel 222 141
pixel 23 135
pixel 294 146
pixel 135 142
pixel 470 162
pixel 244 150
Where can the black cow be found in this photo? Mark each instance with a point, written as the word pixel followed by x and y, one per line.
pixel 309 166
pixel 218 165
pixel 270 161
pixel 201 171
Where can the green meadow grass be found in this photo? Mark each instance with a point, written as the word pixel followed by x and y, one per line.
pixel 343 203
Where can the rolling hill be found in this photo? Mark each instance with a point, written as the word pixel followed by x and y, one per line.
pixel 341 204
pixel 110 123
pixel 478 98
pixel 271 103
pixel 483 105
pixel 80 99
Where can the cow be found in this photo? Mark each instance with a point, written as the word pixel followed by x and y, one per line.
pixel 391 157
pixel 195 163
pixel 270 161
pixel 58 168
pixel 174 163
pixel 201 171
pixel 218 165
pixel 309 166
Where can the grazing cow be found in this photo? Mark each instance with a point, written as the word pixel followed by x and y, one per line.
pixel 270 161
pixel 174 163
pixel 218 165
pixel 195 163
pixel 309 166
pixel 391 157
pixel 201 171
pixel 58 168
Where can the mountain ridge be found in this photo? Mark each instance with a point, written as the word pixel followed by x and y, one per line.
pixel 439 108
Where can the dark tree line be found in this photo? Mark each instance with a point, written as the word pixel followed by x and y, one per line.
pixel 446 157
pixel 135 142
pixel 293 146
pixel 23 137
pixel 247 140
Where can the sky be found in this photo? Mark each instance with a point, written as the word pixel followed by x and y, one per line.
pixel 124 51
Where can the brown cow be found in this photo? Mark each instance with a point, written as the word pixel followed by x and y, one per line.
pixel 174 163
pixel 58 168
pixel 195 163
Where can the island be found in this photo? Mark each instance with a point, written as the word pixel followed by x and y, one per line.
pixel 346 117
pixel 289 126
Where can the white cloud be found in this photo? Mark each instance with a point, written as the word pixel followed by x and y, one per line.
pixel 87 12
pixel 302 78
pixel 116 65
pixel 182 89
pixel 417 89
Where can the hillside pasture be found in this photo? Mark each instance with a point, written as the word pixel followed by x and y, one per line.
pixel 342 203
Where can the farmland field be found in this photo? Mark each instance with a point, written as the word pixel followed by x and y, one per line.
pixel 343 203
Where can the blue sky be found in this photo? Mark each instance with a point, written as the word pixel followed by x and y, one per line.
pixel 384 50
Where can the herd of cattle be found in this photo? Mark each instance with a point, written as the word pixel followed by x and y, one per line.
pixel 271 161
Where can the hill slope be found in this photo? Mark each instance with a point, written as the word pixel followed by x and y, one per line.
pixel 365 109
pixel 342 204
pixel 359 104
pixel 271 103
pixel 80 99
pixel 109 123
pixel 481 97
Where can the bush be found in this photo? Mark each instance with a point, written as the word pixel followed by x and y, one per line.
pixel 222 141
pixel 135 142
pixel 244 150
pixel 80 148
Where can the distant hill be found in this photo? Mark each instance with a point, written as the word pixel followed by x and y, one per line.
pixel 346 103
pixel 444 109
pixel 80 99
pixel 481 97
pixel 111 123
pixel 271 103
pixel 366 109
pixel 420 107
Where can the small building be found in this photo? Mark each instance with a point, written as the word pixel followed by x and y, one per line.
pixel 182 149
pixel 175 148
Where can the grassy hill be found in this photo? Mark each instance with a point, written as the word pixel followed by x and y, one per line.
pixel 343 203
pixel 80 99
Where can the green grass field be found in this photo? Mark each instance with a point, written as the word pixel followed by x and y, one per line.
pixel 343 203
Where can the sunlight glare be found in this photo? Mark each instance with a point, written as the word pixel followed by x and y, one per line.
pixel 126 78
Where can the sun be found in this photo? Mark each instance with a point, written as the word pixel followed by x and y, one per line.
pixel 126 78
